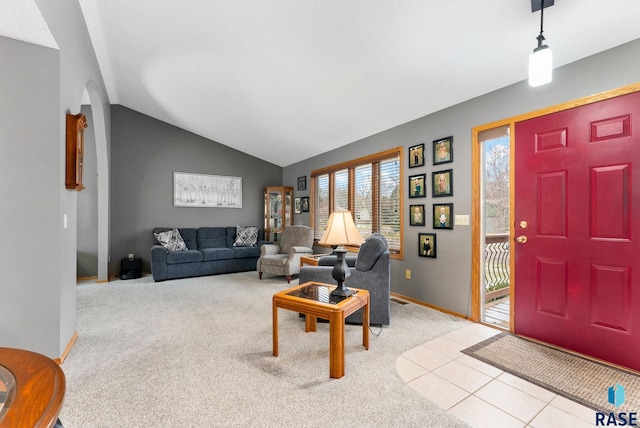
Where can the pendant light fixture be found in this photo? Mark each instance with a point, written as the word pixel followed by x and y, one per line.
pixel 541 60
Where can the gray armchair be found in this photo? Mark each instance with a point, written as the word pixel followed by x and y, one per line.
pixel 371 270
pixel 284 258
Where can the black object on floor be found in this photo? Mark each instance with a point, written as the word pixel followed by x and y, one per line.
pixel 130 268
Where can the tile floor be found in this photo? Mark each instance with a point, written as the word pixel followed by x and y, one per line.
pixel 480 394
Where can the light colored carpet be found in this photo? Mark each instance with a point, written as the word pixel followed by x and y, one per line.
pixel 197 353
pixel 574 377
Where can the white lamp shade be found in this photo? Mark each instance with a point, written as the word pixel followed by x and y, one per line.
pixel 540 66
pixel 341 230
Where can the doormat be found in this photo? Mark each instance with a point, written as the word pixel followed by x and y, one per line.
pixel 574 377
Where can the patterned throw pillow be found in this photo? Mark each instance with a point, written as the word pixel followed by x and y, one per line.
pixel 246 236
pixel 171 240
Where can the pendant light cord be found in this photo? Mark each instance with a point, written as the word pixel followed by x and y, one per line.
pixel 541 16
pixel 540 36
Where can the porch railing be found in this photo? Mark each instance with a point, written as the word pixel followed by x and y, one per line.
pixel 496 261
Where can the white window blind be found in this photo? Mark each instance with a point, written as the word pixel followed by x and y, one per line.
pixel 364 200
pixel 341 199
pixel 390 201
pixel 369 187
pixel 320 206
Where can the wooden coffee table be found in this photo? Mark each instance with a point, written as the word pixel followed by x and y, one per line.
pixel 313 299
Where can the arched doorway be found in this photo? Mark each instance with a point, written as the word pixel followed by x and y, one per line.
pixel 100 198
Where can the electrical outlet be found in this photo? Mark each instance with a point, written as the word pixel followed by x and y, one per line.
pixel 131 256
pixel 407 273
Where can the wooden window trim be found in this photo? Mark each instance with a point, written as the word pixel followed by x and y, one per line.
pixel 377 157
pixel 374 160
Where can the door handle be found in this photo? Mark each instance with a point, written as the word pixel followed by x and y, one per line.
pixel 522 239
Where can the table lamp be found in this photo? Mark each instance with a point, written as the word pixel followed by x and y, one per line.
pixel 341 230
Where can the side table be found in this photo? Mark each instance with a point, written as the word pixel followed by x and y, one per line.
pixel 35 392
pixel 314 300
pixel 311 259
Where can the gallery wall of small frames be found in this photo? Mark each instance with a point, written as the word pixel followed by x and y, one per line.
pixel 441 183
pixel 301 203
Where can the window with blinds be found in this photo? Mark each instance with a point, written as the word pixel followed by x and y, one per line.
pixel 390 200
pixel 363 206
pixel 369 187
pixel 321 206
pixel 341 199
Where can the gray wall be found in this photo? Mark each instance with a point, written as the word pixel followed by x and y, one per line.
pixel 38 260
pixel 446 281
pixel 87 251
pixel 30 260
pixel 145 154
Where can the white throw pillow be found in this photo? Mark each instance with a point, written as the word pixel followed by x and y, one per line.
pixel 171 240
pixel 246 236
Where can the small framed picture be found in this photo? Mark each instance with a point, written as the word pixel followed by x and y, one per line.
pixel 297 205
pixel 427 245
pixel 417 186
pixel 443 150
pixel 416 215
pixel 302 183
pixel 416 156
pixel 305 204
pixel 442 216
pixel 442 182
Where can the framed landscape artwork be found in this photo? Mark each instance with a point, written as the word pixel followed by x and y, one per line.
pixel 202 190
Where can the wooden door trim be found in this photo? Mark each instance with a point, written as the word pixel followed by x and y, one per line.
pixel 476 175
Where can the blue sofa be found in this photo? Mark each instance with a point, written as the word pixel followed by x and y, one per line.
pixel 210 251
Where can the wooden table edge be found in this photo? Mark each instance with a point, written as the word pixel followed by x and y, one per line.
pixel 40 388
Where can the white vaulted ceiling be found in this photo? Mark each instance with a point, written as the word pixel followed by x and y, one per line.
pixel 22 20
pixel 284 80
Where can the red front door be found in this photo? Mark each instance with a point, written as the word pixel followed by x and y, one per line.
pixel 577 224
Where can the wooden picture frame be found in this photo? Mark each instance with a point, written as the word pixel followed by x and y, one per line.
pixel 416 215
pixel 442 183
pixel 443 216
pixel 427 245
pixel 417 186
pixel 416 156
pixel 443 150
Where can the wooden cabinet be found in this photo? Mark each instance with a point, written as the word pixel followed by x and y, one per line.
pixel 75 151
pixel 278 211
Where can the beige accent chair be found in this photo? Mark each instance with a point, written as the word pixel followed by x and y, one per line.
pixel 283 258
